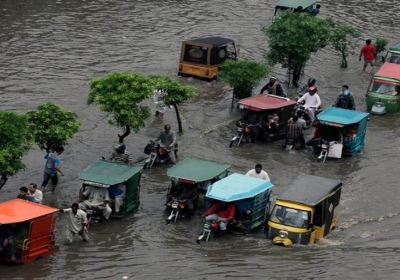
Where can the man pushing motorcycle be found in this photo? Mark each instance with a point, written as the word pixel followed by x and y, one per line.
pixel 168 139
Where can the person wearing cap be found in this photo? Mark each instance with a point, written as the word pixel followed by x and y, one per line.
pixel 345 100
pixel 257 172
pixel 23 194
pixel 35 193
pixel 76 223
pixel 273 88
pixel 120 154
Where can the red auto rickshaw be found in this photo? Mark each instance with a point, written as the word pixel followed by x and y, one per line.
pixel 33 226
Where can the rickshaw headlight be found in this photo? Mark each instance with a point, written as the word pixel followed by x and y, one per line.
pixel 283 234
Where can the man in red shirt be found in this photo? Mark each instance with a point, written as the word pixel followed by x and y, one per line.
pixel 222 211
pixel 369 52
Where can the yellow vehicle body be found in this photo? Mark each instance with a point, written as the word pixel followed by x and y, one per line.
pixel 202 57
pixel 301 221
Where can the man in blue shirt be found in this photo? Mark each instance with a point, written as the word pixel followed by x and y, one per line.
pixel 314 12
pixel 51 167
pixel 23 194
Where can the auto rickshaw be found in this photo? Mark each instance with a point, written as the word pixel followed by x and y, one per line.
pixel 305 212
pixel 33 226
pixel 110 175
pixel 249 195
pixel 383 92
pixel 339 132
pixel 265 118
pixel 393 54
pixel 202 57
pixel 192 173
pixel 284 5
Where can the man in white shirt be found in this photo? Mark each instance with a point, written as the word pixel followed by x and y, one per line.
pixel 312 101
pixel 257 172
pixel 96 197
pixel 35 193
pixel 77 223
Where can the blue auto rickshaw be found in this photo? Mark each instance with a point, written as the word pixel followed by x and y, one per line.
pixel 339 132
pixel 249 195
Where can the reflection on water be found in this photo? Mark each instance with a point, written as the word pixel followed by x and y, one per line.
pixel 49 51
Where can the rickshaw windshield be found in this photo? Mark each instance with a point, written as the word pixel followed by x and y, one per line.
pixel 384 87
pixel 196 54
pixel 393 58
pixel 290 216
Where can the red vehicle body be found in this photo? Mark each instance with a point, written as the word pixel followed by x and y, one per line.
pixel 36 225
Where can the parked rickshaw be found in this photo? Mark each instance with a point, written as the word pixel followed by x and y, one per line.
pixel 393 54
pixel 33 228
pixel 305 212
pixel 113 175
pixel 202 57
pixel 284 5
pixel 265 118
pixel 250 197
pixel 383 91
pixel 339 132
pixel 191 173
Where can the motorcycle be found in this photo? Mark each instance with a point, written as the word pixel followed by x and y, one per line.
pixel 325 145
pixel 177 206
pixel 304 112
pixel 244 134
pixel 157 154
pixel 210 228
pixel 94 215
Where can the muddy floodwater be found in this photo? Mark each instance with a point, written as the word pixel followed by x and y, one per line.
pixel 50 49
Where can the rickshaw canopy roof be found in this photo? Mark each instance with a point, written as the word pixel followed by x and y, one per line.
pixel 341 116
pixel 19 210
pixel 262 102
pixel 296 3
pixel 388 70
pixel 236 187
pixel 197 170
pixel 213 41
pixel 108 172
pixel 309 190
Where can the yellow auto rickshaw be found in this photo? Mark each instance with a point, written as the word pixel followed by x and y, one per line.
pixel 305 211
pixel 202 57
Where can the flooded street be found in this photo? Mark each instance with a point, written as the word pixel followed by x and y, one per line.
pixel 49 50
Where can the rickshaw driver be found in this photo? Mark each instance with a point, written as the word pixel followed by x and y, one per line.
pixel 121 154
pixel 188 193
pixel 273 88
pixel 312 101
pixel 97 197
pixel 168 139
pixel 221 211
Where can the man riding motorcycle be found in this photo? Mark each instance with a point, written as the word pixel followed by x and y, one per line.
pixel 311 82
pixel 223 212
pixel 312 101
pixel 186 192
pixel 345 100
pixel 168 139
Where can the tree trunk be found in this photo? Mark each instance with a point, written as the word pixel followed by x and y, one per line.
pixel 3 180
pixel 126 133
pixel 344 60
pixel 296 75
pixel 178 117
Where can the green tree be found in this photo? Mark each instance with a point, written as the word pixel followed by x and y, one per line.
pixel 176 93
pixel 52 126
pixel 292 39
pixel 121 95
pixel 243 75
pixel 342 38
pixel 380 44
pixel 15 142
